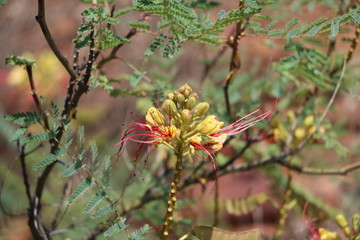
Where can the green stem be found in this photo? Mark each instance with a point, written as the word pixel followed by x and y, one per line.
pixel 172 198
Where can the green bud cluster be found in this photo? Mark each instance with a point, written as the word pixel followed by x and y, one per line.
pixel 353 232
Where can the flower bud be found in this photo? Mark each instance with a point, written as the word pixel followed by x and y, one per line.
pixel 201 110
pixel 186 93
pixel 356 222
pixel 209 125
pixel 169 107
pixel 191 102
pixel 155 117
pixel 185 90
pixel 343 224
pixel 180 99
pixel 291 116
pixel 300 133
pixel 308 121
pixel 185 116
pixel 170 96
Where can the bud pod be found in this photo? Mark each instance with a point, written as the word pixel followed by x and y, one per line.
pixel 169 107
pixel 201 110
pixel 155 117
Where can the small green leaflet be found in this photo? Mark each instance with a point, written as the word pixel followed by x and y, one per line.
pixel 72 169
pixel 19 61
pixel 120 225
pixel 39 137
pixel 139 233
pixel 94 202
pixel 136 77
pixel 103 211
pixel 80 189
pixel 334 28
pixel 21 131
pixel 50 159
pixel 252 4
pixel 140 25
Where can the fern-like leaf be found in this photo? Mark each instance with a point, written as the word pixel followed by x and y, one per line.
pixel 119 226
pixel 252 4
pixel 80 189
pixel 39 137
pixel 94 202
pixel 72 169
pixel 18 134
pixel 19 61
pixel 103 212
pixel 140 25
pixel 140 233
pixel 15 116
pixel 50 159
pixel 108 39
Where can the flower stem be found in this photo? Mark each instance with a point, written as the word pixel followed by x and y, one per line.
pixel 172 198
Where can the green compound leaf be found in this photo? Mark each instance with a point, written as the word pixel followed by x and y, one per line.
pixel 140 25
pixel 136 77
pixel 334 28
pixel 103 212
pixel 355 17
pixel 80 189
pixel 14 116
pixel 139 233
pixel 106 39
pixel 39 137
pixel 252 4
pixel 94 202
pixel 19 61
pixel 18 134
pixel 292 34
pixel 120 225
pixel 275 32
pixel 122 11
pixel 50 159
pixel 72 169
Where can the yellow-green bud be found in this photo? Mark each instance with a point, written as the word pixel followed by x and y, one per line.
pixel 191 102
pixel 185 116
pixel 169 107
pixel 209 125
pixel 356 222
pixel 155 117
pixel 180 99
pixel 170 96
pixel 185 90
pixel 300 133
pixel 194 94
pixel 201 110
pixel 186 93
pixel 308 121
pixel 291 116
pixel 343 224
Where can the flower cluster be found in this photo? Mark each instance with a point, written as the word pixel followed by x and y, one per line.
pixel 183 125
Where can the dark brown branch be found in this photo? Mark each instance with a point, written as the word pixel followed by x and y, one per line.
pixel 40 18
pixel 25 175
pixel 36 97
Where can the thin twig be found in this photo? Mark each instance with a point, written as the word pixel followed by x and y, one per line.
pixel 40 18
